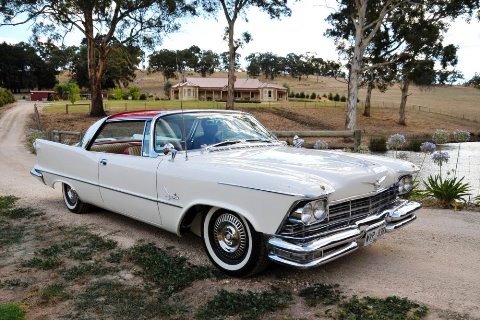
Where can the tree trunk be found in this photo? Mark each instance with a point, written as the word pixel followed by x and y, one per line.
pixel 353 78
pixel 356 68
pixel 94 73
pixel 368 100
pixel 403 102
pixel 231 67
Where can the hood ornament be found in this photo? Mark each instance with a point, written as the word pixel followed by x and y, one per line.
pixel 377 184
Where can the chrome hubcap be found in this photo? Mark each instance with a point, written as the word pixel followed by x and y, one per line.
pixel 230 235
pixel 72 196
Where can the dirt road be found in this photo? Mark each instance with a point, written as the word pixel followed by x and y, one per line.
pixel 434 261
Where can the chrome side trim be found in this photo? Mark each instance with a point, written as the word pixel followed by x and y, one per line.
pixel 37 174
pixel 264 190
pixel 117 190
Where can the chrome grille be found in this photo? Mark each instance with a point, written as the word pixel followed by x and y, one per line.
pixel 342 215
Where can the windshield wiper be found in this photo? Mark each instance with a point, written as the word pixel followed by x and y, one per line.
pixel 259 140
pixel 230 142
pixel 224 143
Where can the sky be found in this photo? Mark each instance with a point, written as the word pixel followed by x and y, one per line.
pixel 302 32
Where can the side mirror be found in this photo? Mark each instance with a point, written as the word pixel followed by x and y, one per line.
pixel 169 148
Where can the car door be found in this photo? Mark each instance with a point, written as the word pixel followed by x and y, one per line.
pixel 127 178
pixel 128 185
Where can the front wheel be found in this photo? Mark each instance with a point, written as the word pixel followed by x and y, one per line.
pixel 232 244
pixel 72 201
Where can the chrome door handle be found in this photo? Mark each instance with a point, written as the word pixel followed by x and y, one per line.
pixel 103 162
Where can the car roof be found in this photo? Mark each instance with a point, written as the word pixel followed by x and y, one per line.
pixel 150 114
pixel 139 114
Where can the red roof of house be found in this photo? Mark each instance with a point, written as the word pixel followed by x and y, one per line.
pixel 221 84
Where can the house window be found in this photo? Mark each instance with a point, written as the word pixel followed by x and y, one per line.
pixel 189 92
pixel 267 93
pixel 237 94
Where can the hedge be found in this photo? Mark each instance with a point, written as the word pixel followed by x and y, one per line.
pixel 6 97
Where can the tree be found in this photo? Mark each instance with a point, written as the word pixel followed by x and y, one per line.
pixel 474 82
pixel 22 68
pixel 164 61
pixel 354 26
pixel 207 63
pixel 104 24
pixel 356 23
pixel 253 67
pixel 225 61
pixel 232 9
pixel 119 68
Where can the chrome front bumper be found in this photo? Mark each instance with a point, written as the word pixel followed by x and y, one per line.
pixel 326 249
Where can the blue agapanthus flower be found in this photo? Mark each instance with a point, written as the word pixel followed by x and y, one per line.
pixel 428 147
pixel 440 157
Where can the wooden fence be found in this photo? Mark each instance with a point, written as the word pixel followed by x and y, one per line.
pixel 71 137
pixel 355 134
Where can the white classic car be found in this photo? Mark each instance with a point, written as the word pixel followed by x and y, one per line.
pixel 223 176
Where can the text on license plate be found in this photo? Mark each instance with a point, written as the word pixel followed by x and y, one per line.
pixel 372 235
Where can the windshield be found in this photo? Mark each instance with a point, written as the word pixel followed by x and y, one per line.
pixel 201 129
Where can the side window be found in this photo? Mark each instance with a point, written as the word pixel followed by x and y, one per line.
pixel 121 137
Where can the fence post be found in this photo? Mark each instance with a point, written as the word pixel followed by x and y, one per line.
pixel 37 117
pixel 125 106
pixel 66 108
pixel 357 138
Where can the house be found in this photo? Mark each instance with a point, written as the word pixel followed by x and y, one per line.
pixel 210 89
pixel 41 95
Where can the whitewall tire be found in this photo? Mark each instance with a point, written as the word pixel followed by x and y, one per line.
pixel 72 200
pixel 232 244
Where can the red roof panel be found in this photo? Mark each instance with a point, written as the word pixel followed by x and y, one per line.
pixel 142 114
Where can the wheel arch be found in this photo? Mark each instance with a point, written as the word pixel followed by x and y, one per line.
pixel 197 209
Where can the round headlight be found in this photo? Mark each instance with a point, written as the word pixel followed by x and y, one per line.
pixel 320 210
pixel 405 184
pixel 307 213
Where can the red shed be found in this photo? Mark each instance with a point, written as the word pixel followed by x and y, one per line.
pixel 40 95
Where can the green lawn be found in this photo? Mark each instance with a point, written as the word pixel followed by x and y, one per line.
pixel 114 106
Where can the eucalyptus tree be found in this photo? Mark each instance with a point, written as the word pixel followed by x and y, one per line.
pixel 356 23
pixel 104 24
pixel 120 66
pixel 164 61
pixel 232 9
pixel 207 63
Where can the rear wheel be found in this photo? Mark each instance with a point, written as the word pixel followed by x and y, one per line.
pixel 232 244
pixel 72 201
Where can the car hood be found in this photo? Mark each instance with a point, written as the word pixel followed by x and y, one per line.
pixel 302 172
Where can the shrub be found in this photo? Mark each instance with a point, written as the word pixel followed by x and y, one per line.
pixel 324 95
pixel 330 96
pixel 143 96
pixel 440 136
pixel 336 97
pixel 297 95
pixel 413 145
pixel 343 98
pixel 313 96
pixel 68 90
pixel 378 144
pixel 447 190
pixel 117 93
pixel 134 92
pixel 302 95
pixel 291 94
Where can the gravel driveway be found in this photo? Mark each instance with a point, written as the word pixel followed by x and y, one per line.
pixel 435 260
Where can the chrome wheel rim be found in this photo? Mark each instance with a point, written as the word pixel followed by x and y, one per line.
pixel 72 196
pixel 230 235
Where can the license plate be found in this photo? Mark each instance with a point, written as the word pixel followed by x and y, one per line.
pixel 372 235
